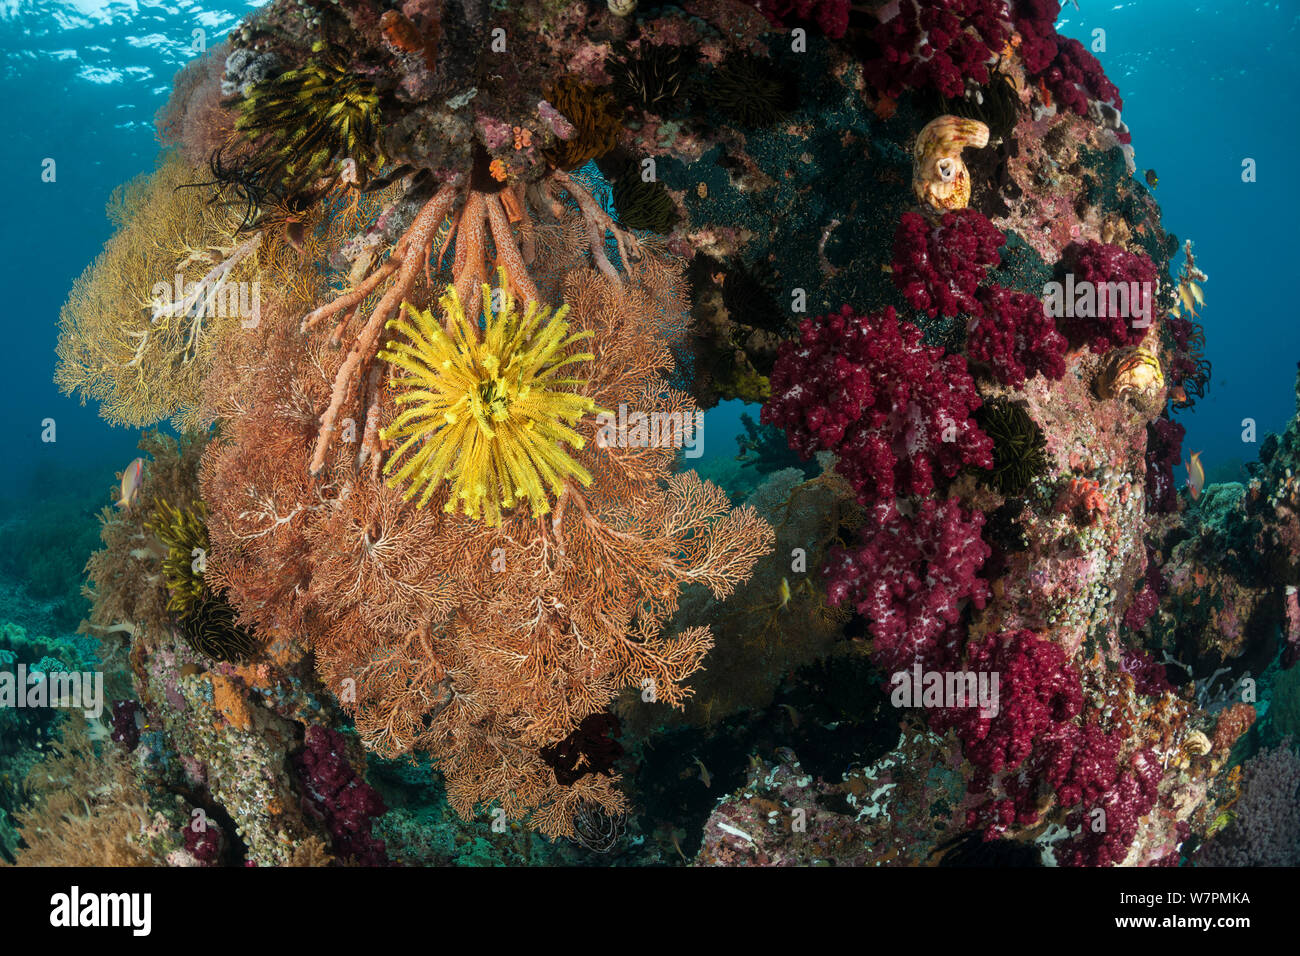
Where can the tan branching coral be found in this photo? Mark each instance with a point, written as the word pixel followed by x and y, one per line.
pixel 86 808
pixel 142 324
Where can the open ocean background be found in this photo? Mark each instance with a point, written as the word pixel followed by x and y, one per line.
pixel 1205 85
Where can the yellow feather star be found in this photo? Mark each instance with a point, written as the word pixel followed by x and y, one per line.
pixel 488 409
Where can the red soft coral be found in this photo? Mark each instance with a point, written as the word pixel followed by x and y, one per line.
pixel 909 577
pixel 1076 76
pixel 938 268
pixel 1105 267
pixel 1015 337
pixel 1104 837
pixel 1037 691
pixel 1036 24
pixel 1164 453
pixel 938 44
pixel 895 411
pixel 831 16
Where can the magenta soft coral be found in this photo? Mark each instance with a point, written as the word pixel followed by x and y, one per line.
pixel 831 16
pixel 943 43
pixel 938 268
pixel 1104 839
pixel 1037 744
pixel 910 577
pixel 1037 691
pixel 344 803
pixel 1015 337
pixel 1146 601
pixel 895 411
pixel 936 43
pixel 1105 266
pixel 1149 676
pixel 1070 72
pixel 1076 76
pixel 1164 453
pixel 1036 23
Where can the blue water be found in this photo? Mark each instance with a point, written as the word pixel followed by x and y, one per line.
pixel 1204 85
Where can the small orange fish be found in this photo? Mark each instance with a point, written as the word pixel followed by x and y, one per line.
pixel 1178 394
pixel 1195 475
pixel 131 479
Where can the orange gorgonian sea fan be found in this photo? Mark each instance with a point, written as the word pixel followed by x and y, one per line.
pixel 481 645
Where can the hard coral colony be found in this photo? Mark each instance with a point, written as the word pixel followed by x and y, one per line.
pixel 401 525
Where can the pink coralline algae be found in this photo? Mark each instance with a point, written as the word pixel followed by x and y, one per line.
pixel 1016 338
pixel 939 268
pixel 831 16
pixel 337 796
pixel 909 577
pixel 1104 268
pixel 895 411
pixel 938 44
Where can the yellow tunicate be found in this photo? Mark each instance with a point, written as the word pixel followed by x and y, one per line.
pixel 939 175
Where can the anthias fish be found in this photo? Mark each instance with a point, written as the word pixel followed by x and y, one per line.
pixel 131 478
pixel 1195 475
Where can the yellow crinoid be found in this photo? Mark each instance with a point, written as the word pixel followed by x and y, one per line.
pixel 489 408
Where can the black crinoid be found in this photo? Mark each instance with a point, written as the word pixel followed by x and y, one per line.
pixel 748 293
pixel 211 630
pixel 1019 448
pixel 652 78
pixel 1187 367
pixel 995 104
pixel 641 204
pixel 748 91
pixel 313 124
pixel 595 828
pixel 242 184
